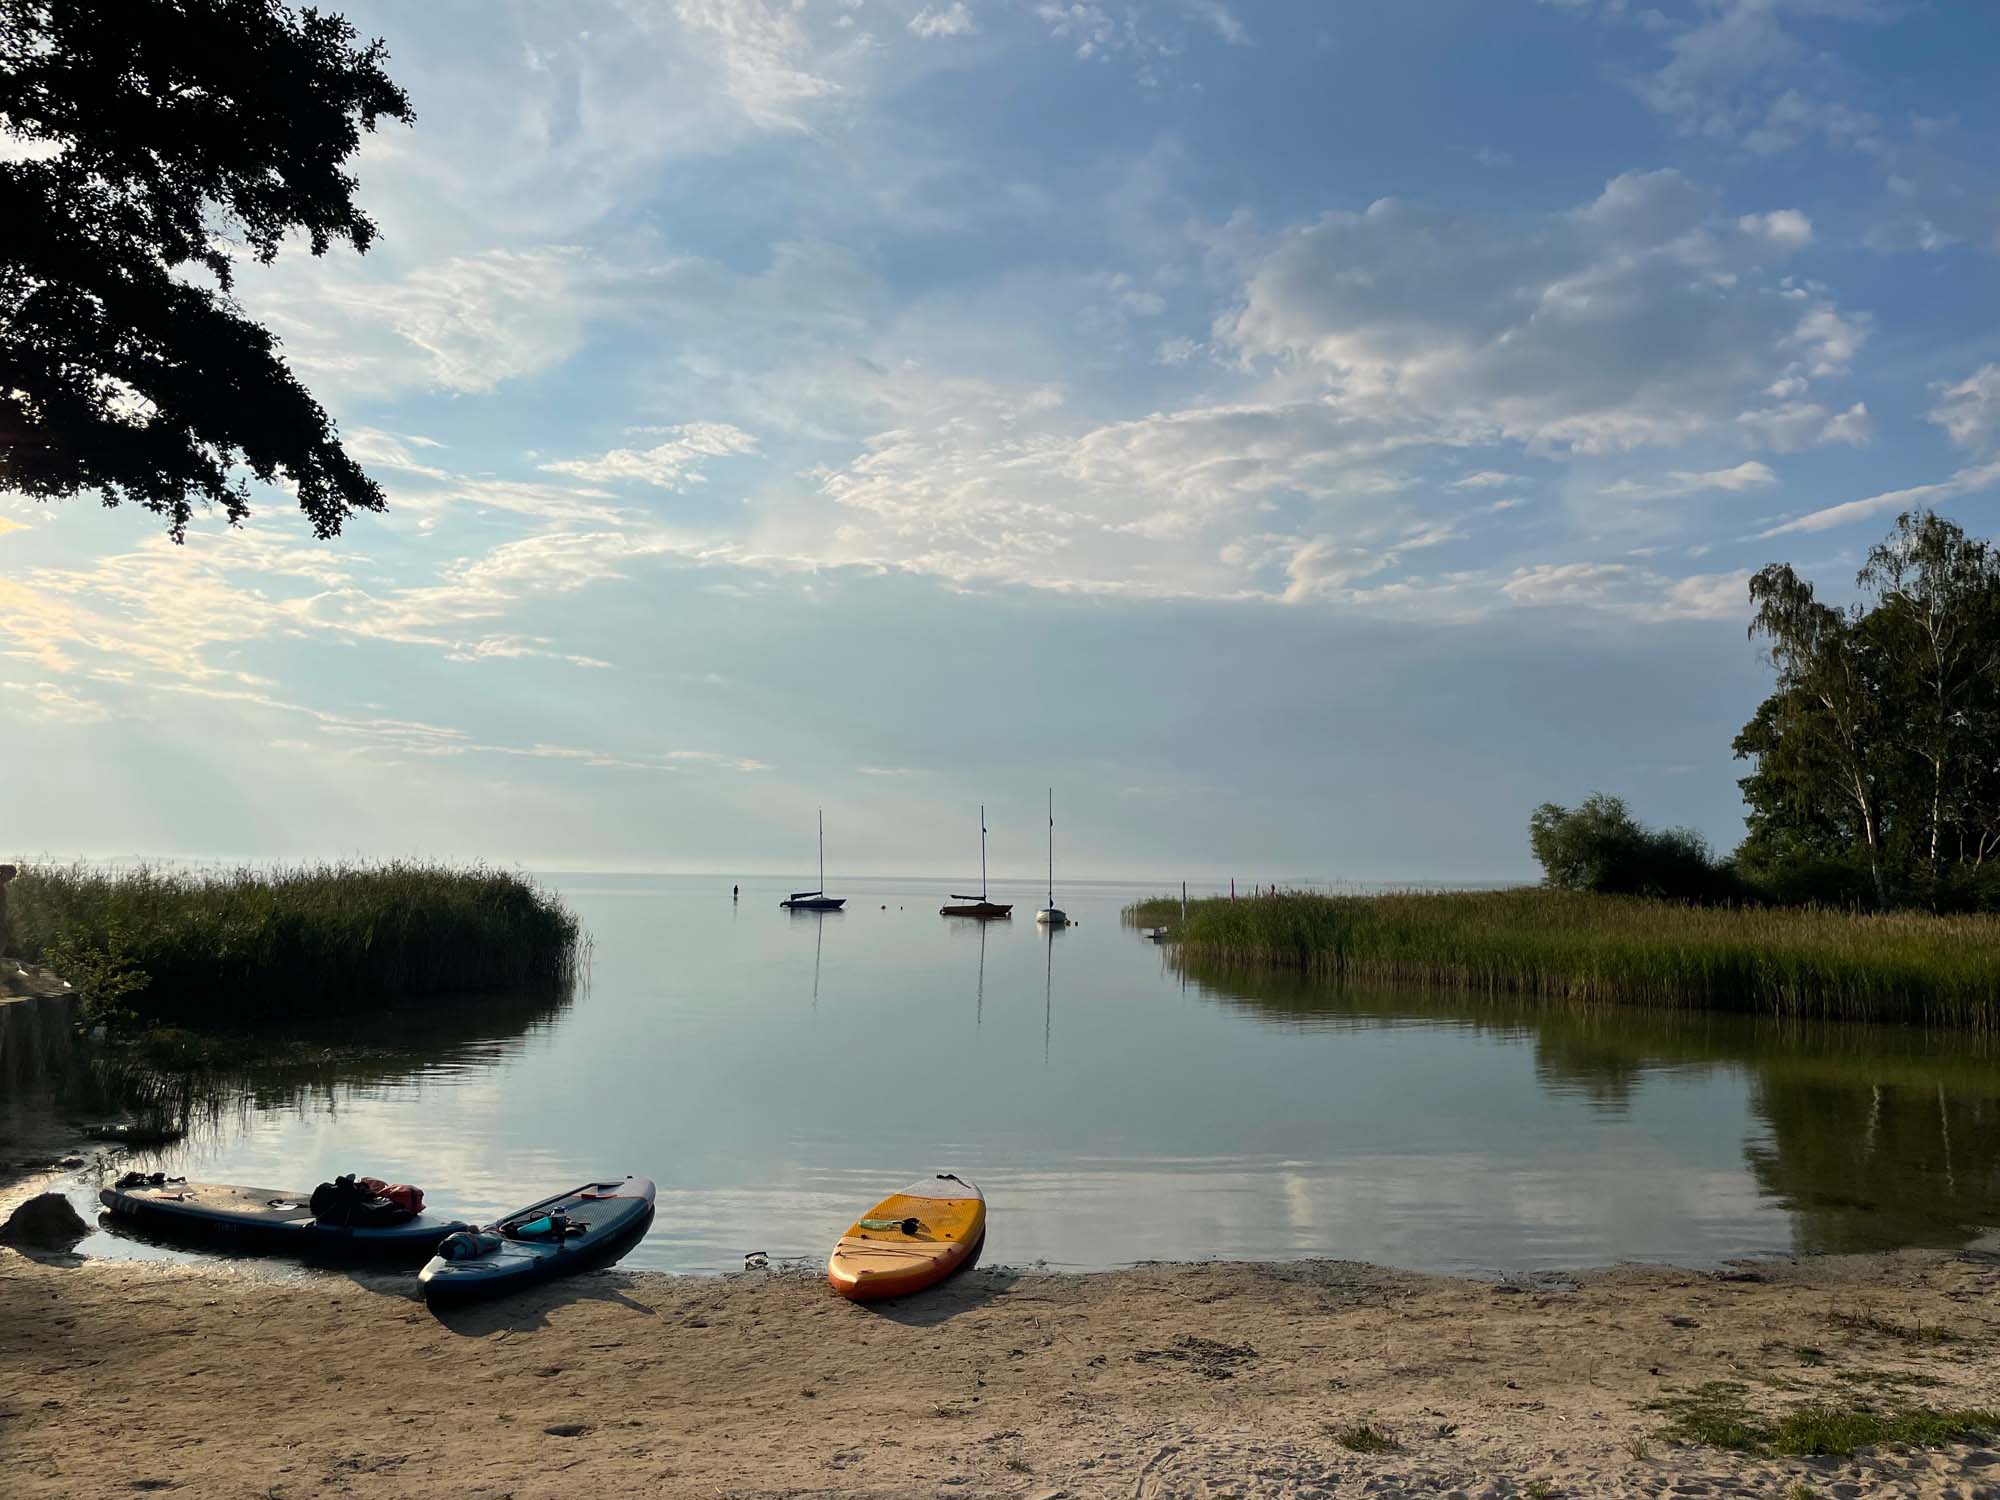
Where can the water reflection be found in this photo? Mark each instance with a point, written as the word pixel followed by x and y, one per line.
pixel 1186 1113
pixel 1048 986
pixel 55 1076
pixel 40 1061
pixel 1874 1137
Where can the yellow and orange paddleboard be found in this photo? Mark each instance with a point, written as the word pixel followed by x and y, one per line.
pixel 910 1240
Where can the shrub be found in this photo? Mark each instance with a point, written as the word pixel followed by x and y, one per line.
pixel 1600 847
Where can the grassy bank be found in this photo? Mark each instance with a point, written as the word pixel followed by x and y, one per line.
pixel 246 946
pixel 1568 946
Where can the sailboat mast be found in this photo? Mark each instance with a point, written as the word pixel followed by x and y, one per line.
pixel 1052 847
pixel 822 850
pixel 982 852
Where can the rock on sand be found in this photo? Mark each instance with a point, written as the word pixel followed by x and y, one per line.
pixel 45 1222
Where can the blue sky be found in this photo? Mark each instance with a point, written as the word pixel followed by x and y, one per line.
pixel 1308 436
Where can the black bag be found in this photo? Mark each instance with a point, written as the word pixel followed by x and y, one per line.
pixel 347 1204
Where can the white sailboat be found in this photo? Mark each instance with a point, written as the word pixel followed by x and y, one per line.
pixel 816 900
pixel 1052 915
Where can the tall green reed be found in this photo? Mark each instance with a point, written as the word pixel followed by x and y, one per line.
pixel 1800 962
pixel 249 945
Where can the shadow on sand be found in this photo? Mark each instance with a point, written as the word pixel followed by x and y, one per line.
pixel 529 1309
pixel 969 1290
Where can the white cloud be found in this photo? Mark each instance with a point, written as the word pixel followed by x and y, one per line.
pixel 1792 426
pixel 1624 324
pixel 1783 230
pixel 1793 118
pixel 51 703
pixel 1625 589
pixel 1964 482
pixel 1908 233
pixel 1829 340
pixel 518 647
pixel 1969 412
pixel 1222 19
pixel 1745 476
pixel 379 734
pixel 468 323
pixel 672 465
pixel 952 20
pixel 1707 596
pixel 1725 74
pixel 1368 367
pixel 1099 32
pixel 1576 583
pixel 767 59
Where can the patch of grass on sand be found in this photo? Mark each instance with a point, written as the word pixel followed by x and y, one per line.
pixel 1808 1355
pixel 1716 1415
pixel 1836 1431
pixel 1566 945
pixel 1363 1438
pixel 1889 1329
pixel 1888 1380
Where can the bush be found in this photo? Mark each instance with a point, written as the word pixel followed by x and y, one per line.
pixel 1600 847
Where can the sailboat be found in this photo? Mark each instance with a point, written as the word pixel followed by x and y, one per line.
pixel 1052 915
pixel 816 900
pixel 978 906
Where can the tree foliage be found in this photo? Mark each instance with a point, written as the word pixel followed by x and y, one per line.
pixel 156 143
pixel 1599 846
pixel 1877 755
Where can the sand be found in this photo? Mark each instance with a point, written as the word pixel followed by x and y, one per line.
pixel 122 1378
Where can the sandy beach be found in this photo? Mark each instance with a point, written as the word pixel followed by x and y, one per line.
pixel 1205 1380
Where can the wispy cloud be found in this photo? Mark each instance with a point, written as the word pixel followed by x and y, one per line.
pixel 1969 411
pixel 51 703
pixel 1964 482
pixel 672 465
pixel 933 23
pixel 1745 476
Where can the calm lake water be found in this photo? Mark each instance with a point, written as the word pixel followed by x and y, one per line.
pixel 777 1073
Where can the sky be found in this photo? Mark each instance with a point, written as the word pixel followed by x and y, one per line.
pixel 1305 436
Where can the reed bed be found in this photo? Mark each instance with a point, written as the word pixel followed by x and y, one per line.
pixel 249 945
pixel 1559 945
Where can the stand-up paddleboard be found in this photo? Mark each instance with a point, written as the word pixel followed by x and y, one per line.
pixel 910 1240
pixel 587 1226
pixel 271 1219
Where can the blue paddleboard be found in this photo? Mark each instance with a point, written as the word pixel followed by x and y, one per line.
pixel 587 1226
pixel 268 1219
